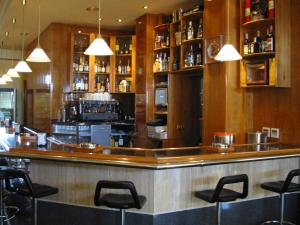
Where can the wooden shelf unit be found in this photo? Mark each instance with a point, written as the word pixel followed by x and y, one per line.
pixel 279 73
pixel 95 63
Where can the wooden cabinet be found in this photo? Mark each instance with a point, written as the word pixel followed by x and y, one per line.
pixel 266 68
pixel 178 74
pixel 114 73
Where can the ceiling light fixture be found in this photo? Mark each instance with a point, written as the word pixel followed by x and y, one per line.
pixel 38 54
pixel 7 78
pixel 120 20
pixel 22 66
pixel 12 72
pixel 145 7
pixel 2 81
pixel 98 46
pixel 228 51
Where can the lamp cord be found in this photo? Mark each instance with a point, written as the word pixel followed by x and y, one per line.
pixel 12 37
pixel 228 22
pixel 23 32
pixel 39 23
pixel 99 22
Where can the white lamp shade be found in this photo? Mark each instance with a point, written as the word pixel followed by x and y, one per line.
pixel 98 47
pixel 228 53
pixel 7 78
pixel 2 81
pixel 12 73
pixel 22 67
pixel 38 55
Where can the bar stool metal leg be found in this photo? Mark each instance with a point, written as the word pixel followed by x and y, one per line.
pixel 34 205
pixel 2 214
pixel 219 207
pixel 122 216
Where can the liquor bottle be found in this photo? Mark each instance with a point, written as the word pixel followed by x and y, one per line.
pixel 168 39
pixel 191 58
pixel 160 62
pixel 102 87
pixel 103 68
pixel 125 49
pixel 74 84
pixel 86 84
pixel 175 64
pixel 96 67
pixel 117 47
pixel 255 46
pixel 259 40
pixel 130 48
pixel 199 55
pixel 271 9
pixel 107 85
pixel 183 33
pixel 164 62
pixel 190 32
pixel 121 50
pixel 246 44
pixel 120 67
pixel 107 68
pixel 128 68
pixel 247 11
pixel 86 66
pixel 80 68
pixel 200 29
pixel 270 41
pixel 98 84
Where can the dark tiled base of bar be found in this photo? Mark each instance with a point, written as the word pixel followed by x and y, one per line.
pixel 251 212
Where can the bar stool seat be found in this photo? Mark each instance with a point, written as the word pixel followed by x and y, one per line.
pixel 226 195
pixel 39 190
pixel 282 187
pixel 277 187
pixel 221 194
pixel 120 201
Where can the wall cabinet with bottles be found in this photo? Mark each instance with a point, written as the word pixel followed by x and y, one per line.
pixel 263 44
pixel 114 73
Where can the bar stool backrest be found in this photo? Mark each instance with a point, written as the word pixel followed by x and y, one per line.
pixel 242 178
pixel 13 174
pixel 125 185
pixel 289 178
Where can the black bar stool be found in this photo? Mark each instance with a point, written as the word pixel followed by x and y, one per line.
pixel 28 188
pixel 221 194
pixel 282 187
pixel 119 201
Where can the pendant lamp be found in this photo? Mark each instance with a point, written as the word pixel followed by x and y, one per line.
pixel 99 46
pixel 2 81
pixel 7 78
pixel 38 54
pixel 22 66
pixel 11 71
pixel 228 51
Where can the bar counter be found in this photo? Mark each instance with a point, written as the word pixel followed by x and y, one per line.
pixel 167 177
pixel 166 158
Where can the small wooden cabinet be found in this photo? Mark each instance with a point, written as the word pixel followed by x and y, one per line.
pixel 266 68
pixel 115 74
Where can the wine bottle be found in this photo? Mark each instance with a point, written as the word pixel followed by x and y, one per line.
pixel 246 44
pixel 190 32
pixel 270 41
pixel 103 68
pixel 200 29
pixel 128 68
pixel 120 67
pixel 117 47
pixel 183 33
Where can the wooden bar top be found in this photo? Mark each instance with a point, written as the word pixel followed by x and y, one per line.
pixel 163 158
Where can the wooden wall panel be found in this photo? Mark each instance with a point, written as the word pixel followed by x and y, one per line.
pixel 280 107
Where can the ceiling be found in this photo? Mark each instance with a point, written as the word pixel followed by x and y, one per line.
pixel 74 12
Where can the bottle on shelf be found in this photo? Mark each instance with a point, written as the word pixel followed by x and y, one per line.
pixel 175 65
pixel 86 84
pixel 96 66
pixel 130 48
pixel 246 44
pixel 120 67
pixel 107 68
pixel 271 9
pixel 107 85
pixel 74 88
pixel 190 31
pixel 128 68
pixel 86 66
pixel 117 47
pixel 255 46
pixel 98 84
pixel 103 67
pixel 199 55
pixel 200 29
pixel 121 52
pixel 259 40
pixel 270 41
pixel 81 65
pixel 189 57
pixel 183 33
pixel 102 89
pixel 126 50
pixel 168 39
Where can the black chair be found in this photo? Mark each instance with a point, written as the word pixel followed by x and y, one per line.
pixel 221 194
pixel 27 188
pixel 282 187
pixel 119 201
